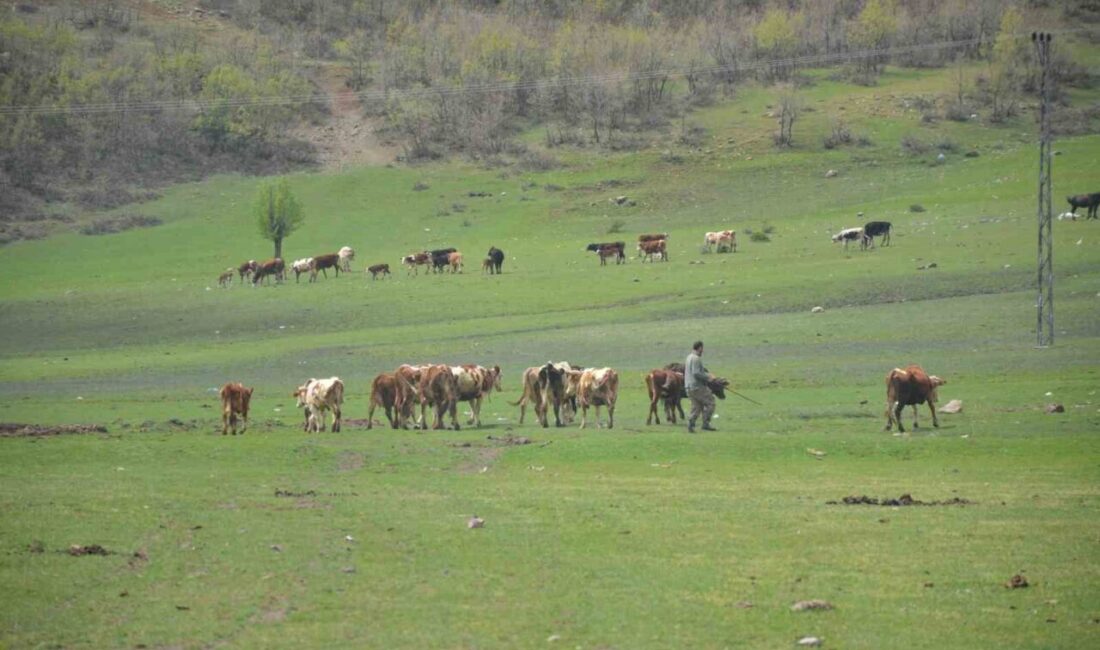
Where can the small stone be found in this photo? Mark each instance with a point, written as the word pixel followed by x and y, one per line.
pixel 954 406
pixel 1017 582
pixel 831 173
pixel 809 641
pixel 804 605
pixel 475 522
pixel 817 310
pixel 1055 408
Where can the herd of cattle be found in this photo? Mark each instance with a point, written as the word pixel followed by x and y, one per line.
pixel 560 387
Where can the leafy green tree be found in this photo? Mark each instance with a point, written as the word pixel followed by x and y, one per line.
pixel 776 40
pixel 874 28
pixel 278 213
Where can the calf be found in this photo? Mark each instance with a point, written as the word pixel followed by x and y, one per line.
pixel 455 260
pixel 598 387
pixel 873 229
pixel 496 256
pixel 665 385
pixel 849 235
pixel 322 262
pixel 235 399
pixel 346 254
pixel 378 269
pixel 910 387
pixel 651 248
pixel 247 269
pixel 487 266
pixel 301 266
pixel 318 396
pixel 226 279
pixel 275 267
pixel 1090 201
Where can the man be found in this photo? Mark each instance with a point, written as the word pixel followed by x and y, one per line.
pixel 695 382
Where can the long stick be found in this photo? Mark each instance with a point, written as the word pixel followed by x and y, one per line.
pixel 746 398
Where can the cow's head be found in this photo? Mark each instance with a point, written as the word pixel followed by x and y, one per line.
pixel 592 247
pixel 494 377
pixel 299 393
pixel 936 383
pixel 718 386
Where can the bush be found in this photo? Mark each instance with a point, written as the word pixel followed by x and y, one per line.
pixel 760 236
pixel 947 145
pixel 840 135
pixel 916 207
pixel 957 112
pixel 913 146
pixel 616 226
pixel 112 225
pixel 420 186
pixel 538 161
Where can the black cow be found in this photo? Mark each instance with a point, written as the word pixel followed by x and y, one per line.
pixel 609 249
pixel 496 259
pixel 441 257
pixel 874 229
pixel 1090 201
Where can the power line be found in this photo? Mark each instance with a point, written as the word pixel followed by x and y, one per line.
pixel 196 105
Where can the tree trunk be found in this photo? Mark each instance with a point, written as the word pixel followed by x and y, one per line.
pixel 278 247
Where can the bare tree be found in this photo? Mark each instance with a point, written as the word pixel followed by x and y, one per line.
pixel 790 106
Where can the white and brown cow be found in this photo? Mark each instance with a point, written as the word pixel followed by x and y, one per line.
pixel 850 235
pixel 653 247
pixel 413 261
pixel 346 255
pixel 318 396
pixel 274 268
pixel 474 384
pixel 598 387
pixel 301 266
pixel 721 240
pixel 226 278
pixel 909 387
pixel 235 400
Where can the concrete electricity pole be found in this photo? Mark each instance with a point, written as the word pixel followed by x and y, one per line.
pixel 1045 303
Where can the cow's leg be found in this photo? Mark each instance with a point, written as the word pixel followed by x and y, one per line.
pixel 454 413
pixel 915 423
pixel 898 408
pixel 932 408
pixel 653 410
pixel 336 419
pixel 889 416
pixel 225 422
pixel 557 413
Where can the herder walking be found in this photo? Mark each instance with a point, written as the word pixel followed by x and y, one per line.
pixel 696 377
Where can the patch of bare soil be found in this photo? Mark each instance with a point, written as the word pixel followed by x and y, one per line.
pixel 76 550
pixel 14 430
pixel 360 423
pixel 348 137
pixel 903 500
pixel 509 440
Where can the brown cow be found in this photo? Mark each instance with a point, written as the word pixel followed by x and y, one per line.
pixel 379 269
pixel 388 392
pixel 226 279
pixel 322 262
pixel 653 236
pixel 651 248
pixel 606 250
pixel 235 399
pixel 598 387
pixel 247 269
pixel 408 395
pixel 910 387
pixel 455 260
pixel 665 385
pixel 438 389
pixel 273 267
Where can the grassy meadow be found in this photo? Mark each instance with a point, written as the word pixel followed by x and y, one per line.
pixel 634 537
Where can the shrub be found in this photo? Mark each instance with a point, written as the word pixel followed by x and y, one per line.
pixel 760 236
pixel 112 225
pixel 616 226
pixel 458 207
pixel 916 207
pixel 957 112
pixel 420 186
pixel 538 161
pixel 913 145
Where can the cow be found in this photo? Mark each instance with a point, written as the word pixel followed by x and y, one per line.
pixel 606 250
pixel 652 236
pixel 651 248
pixel 910 386
pixel 455 260
pixel 441 258
pixel 226 278
pixel 475 383
pixel 408 393
pixel 346 255
pixel 301 266
pixel 274 267
pixel 597 387
pixel 849 235
pixel 665 385
pixel 873 229
pixel 394 396
pixel 378 269
pixel 496 256
pixel 235 399
pixel 247 269
pixel 531 393
pixel 322 262
pixel 1090 201
pixel 414 261
pixel 318 396
pixel 553 379
pixel 487 266
pixel 439 390
pixel 719 240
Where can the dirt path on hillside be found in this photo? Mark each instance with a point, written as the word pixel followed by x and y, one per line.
pixel 347 137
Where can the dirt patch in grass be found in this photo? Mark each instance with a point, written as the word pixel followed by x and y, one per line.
pixel 14 430
pixel 77 550
pixel 360 423
pixel 349 461
pixel 903 500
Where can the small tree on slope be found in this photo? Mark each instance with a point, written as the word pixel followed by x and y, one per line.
pixel 278 213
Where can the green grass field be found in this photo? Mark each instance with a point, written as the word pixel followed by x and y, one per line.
pixel 636 537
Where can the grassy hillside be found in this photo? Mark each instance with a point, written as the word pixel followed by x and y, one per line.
pixel 626 538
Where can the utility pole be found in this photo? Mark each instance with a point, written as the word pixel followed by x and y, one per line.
pixel 1045 303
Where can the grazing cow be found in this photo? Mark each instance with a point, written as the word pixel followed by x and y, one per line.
pixel 911 386
pixel 497 257
pixel 396 397
pixel 438 388
pixel 247 269
pixel 665 385
pixel 275 268
pixel 378 269
pixel 414 261
pixel 235 400
pixel 651 248
pixel 226 279
pixel 849 235
pixel 322 262
pixel 873 229
pixel 473 384
pixel 606 250
pixel 455 260
pixel 719 240
pixel 652 236
pixel 598 387
pixel 346 254
pixel 318 396
pixel 1090 201
pixel 301 266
